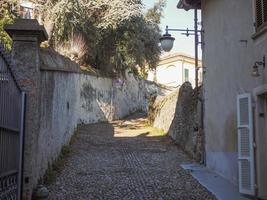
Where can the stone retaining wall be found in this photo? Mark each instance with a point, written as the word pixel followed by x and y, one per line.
pixel 179 115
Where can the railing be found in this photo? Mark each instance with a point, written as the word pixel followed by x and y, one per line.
pixel 11 130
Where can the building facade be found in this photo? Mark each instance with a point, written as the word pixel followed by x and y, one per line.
pixel 175 69
pixel 235 90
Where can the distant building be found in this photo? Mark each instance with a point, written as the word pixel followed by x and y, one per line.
pixel 175 69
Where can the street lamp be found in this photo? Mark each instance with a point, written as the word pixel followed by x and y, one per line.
pixel 167 41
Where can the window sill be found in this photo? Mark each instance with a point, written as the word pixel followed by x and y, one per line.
pixel 259 33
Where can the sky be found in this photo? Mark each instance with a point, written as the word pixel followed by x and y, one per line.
pixel 177 18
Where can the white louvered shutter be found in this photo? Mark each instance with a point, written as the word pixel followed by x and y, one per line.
pixel 245 145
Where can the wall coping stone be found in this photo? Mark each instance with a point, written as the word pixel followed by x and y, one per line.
pixel 51 60
pixel 25 29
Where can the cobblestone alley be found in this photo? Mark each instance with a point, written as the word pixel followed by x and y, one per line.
pixel 125 160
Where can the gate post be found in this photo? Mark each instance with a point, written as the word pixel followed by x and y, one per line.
pixel 27 35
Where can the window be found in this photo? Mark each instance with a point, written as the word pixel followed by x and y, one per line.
pixel 200 79
pixel 186 74
pixel 261 13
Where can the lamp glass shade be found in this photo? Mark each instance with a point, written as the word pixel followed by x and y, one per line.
pixel 166 42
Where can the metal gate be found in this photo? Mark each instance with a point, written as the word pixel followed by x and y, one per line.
pixel 11 130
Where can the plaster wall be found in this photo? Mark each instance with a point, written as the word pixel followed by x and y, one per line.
pixel 69 98
pixel 59 113
pixel 95 95
pixel 228 55
pixel 129 96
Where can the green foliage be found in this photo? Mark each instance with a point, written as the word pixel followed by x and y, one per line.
pixel 59 163
pixel 7 14
pixel 113 36
pixel 109 35
pixel 57 166
pixel 156 13
pixel 3 35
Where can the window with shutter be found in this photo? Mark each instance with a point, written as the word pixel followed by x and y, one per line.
pixel 261 13
pixel 245 145
pixel 186 74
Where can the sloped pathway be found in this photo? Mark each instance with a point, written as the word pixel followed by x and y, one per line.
pixel 125 160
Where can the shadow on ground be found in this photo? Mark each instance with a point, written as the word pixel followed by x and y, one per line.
pixel 125 160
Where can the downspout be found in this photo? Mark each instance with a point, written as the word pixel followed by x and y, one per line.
pixel 201 98
pixel 196 48
pixel 203 140
pixel 111 101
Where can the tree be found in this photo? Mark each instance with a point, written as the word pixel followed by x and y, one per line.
pixel 110 35
pixel 8 12
pixel 156 12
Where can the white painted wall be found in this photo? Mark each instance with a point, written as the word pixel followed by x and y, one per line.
pixel 228 63
pixel 68 99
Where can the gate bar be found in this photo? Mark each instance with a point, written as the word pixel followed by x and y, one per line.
pixel 21 156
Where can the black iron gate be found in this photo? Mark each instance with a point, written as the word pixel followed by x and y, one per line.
pixel 11 130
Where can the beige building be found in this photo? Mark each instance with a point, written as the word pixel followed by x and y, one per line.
pixel 175 69
pixel 235 84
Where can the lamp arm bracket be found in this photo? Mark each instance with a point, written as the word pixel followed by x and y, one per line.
pixel 184 30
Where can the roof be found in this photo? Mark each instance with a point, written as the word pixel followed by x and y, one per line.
pixel 189 4
pixel 170 58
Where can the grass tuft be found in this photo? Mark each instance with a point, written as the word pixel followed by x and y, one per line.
pixel 157 131
pixel 59 163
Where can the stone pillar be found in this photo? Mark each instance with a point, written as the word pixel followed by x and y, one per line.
pixel 27 35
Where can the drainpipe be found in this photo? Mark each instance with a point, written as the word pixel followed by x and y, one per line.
pixel 111 101
pixel 196 48
pixel 201 99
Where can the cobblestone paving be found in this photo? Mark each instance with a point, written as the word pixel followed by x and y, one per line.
pixel 125 160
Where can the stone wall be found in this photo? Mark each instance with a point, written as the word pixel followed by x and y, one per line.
pixel 69 97
pixel 162 110
pixel 179 115
pixel 59 97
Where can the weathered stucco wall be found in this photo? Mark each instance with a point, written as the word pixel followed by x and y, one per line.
pixel 179 115
pixel 95 94
pixel 229 54
pixel 69 97
pixel 58 117
pixel 130 96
